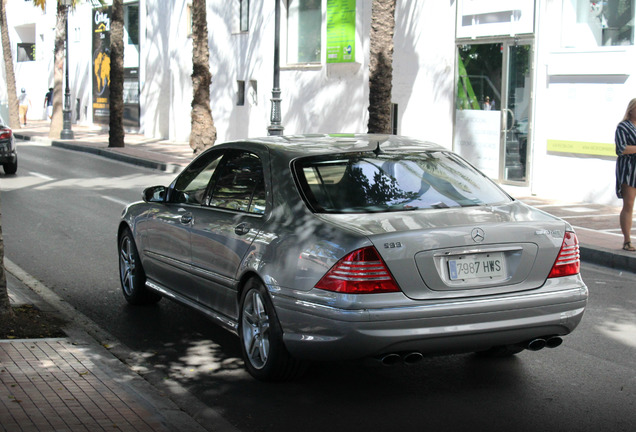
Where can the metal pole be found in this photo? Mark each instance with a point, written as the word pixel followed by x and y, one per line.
pixel 275 128
pixel 67 133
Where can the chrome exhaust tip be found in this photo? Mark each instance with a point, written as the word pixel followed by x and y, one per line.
pixel 536 344
pixel 390 359
pixel 554 342
pixel 413 357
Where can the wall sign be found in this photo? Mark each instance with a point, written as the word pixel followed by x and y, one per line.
pixel 477 18
pixel 341 31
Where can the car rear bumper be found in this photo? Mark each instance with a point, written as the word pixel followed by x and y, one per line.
pixel 319 332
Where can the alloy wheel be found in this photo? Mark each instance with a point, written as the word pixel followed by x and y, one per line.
pixel 256 329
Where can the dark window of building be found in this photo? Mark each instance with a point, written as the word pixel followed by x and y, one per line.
pixel 244 15
pixel 240 93
pixel 26 52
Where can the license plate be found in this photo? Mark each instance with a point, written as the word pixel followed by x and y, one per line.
pixel 477 266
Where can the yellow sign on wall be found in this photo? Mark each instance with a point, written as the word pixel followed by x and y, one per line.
pixel 582 148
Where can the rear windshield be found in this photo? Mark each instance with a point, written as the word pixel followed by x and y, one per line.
pixel 361 183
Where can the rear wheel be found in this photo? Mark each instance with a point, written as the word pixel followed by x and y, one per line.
pixel 131 273
pixel 11 168
pixel 264 352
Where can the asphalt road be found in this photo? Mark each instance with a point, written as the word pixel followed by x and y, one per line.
pixel 59 219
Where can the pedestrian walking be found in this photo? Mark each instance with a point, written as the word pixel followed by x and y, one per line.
pixel 23 105
pixel 48 102
pixel 625 139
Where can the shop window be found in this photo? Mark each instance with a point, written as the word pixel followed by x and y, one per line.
pixel 592 23
pixel 304 24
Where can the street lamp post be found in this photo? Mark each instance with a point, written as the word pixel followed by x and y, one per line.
pixel 67 133
pixel 275 128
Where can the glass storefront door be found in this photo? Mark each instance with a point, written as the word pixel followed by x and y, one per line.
pixel 493 106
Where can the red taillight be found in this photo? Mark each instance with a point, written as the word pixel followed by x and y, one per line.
pixel 5 133
pixel 568 261
pixel 360 272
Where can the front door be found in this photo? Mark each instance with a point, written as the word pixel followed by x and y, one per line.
pixel 493 108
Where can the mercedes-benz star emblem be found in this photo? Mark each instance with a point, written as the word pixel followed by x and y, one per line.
pixel 478 235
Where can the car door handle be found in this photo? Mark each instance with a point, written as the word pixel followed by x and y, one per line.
pixel 186 219
pixel 242 229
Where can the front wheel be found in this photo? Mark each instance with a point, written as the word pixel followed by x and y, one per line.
pixel 264 352
pixel 131 273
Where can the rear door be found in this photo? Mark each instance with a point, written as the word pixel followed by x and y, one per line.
pixel 225 226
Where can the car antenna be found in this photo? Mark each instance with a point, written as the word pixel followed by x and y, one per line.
pixel 377 150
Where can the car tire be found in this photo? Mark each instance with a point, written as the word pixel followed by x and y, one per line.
pixel 131 273
pixel 264 353
pixel 10 168
pixel 501 351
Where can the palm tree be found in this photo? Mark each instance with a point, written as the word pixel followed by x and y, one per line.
pixel 381 65
pixel 203 132
pixel 14 120
pixel 116 90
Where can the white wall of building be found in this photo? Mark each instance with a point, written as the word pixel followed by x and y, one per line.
pixel 424 69
pixel 581 93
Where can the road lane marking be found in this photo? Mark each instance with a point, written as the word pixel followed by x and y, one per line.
pixel 42 176
pixel 116 200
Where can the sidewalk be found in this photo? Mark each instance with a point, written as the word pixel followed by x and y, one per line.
pixel 74 383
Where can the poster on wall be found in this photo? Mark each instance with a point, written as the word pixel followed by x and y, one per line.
pixel 101 65
pixel 341 31
pixel 477 139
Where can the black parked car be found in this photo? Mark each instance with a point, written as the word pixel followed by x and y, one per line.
pixel 8 154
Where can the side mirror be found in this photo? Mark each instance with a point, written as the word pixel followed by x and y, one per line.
pixel 154 194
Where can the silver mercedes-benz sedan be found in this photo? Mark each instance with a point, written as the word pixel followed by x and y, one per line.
pixel 329 247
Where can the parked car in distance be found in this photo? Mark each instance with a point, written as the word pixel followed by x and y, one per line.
pixel 328 247
pixel 8 153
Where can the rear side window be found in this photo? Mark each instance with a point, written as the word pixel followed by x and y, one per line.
pixel 351 183
pixel 239 185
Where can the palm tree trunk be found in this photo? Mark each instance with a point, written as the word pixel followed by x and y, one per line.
pixel 381 65
pixel 57 118
pixel 116 132
pixel 14 120
pixel 203 132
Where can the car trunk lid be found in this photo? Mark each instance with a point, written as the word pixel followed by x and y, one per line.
pixel 473 251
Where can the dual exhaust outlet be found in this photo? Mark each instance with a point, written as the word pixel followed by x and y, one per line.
pixel 540 343
pixel 410 358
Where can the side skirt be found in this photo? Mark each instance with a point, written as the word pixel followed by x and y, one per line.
pixel 222 320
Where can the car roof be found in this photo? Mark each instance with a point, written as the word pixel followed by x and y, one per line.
pixel 292 146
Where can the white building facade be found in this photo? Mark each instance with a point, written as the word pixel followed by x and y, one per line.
pixel 530 91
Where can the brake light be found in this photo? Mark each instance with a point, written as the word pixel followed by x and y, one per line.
pixel 360 272
pixel 568 261
pixel 5 133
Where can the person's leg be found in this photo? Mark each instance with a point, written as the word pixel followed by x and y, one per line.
pixel 629 194
pixel 22 113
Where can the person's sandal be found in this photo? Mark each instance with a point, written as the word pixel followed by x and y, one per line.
pixel 627 246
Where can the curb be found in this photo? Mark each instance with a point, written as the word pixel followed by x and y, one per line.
pixel 104 152
pixel 608 258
